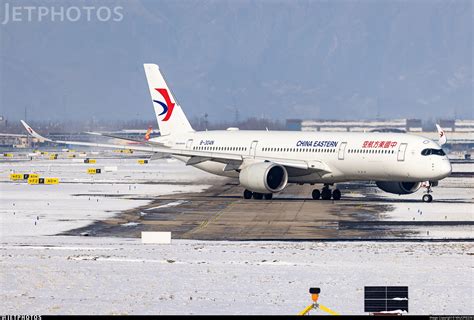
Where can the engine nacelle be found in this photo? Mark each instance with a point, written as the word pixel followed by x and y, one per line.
pixel 398 187
pixel 264 177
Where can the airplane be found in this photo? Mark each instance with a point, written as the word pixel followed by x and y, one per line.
pixel 265 162
pixel 126 141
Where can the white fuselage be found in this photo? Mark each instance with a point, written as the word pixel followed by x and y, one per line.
pixel 349 156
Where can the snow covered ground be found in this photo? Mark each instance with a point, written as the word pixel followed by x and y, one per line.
pixel 49 274
pixel 73 275
pixel 453 202
pixel 81 198
pixel 128 170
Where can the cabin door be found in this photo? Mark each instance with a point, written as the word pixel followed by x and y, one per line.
pixel 189 144
pixel 253 148
pixel 342 150
pixel 401 152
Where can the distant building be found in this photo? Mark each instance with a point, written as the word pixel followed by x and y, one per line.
pixel 3 122
pixel 293 124
pixel 460 133
pixel 409 125
pixel 457 125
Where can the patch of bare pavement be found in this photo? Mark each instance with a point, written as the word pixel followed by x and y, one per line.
pixel 220 213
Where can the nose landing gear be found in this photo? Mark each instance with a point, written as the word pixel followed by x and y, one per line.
pixel 427 197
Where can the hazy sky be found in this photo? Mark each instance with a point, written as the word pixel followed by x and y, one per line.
pixel 279 59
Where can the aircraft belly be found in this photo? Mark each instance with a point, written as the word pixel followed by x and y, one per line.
pixel 216 168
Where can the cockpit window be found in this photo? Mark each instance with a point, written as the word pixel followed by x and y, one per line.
pixel 438 152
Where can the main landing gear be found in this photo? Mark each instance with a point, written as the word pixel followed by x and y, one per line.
pixel 326 193
pixel 427 197
pixel 257 196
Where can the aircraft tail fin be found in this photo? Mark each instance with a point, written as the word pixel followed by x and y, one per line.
pixel 148 133
pixel 33 132
pixel 170 116
pixel 442 135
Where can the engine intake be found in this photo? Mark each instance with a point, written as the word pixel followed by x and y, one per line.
pixel 398 187
pixel 264 177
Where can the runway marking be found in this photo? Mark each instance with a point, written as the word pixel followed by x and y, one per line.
pixel 204 224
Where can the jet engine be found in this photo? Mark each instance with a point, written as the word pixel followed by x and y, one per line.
pixel 264 177
pixel 399 187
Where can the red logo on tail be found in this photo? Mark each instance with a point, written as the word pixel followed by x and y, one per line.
pixel 168 107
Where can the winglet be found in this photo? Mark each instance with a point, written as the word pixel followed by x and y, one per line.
pixel 442 136
pixel 33 132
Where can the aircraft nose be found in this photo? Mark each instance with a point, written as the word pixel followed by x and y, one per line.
pixel 445 168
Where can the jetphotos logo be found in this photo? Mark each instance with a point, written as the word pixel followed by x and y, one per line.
pixel 168 106
pixel 59 13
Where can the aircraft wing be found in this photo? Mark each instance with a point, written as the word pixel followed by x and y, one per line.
pixel 144 142
pixel 233 160
pixel 146 148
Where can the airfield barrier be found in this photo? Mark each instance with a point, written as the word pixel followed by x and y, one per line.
pixel 22 176
pixel 123 151
pixel 156 237
pixel 33 178
pixel 43 180
pixel 16 176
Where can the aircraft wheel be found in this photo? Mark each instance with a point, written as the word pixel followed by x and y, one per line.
pixel 268 196
pixel 326 194
pixel 258 196
pixel 316 194
pixel 427 198
pixel 247 194
pixel 336 194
